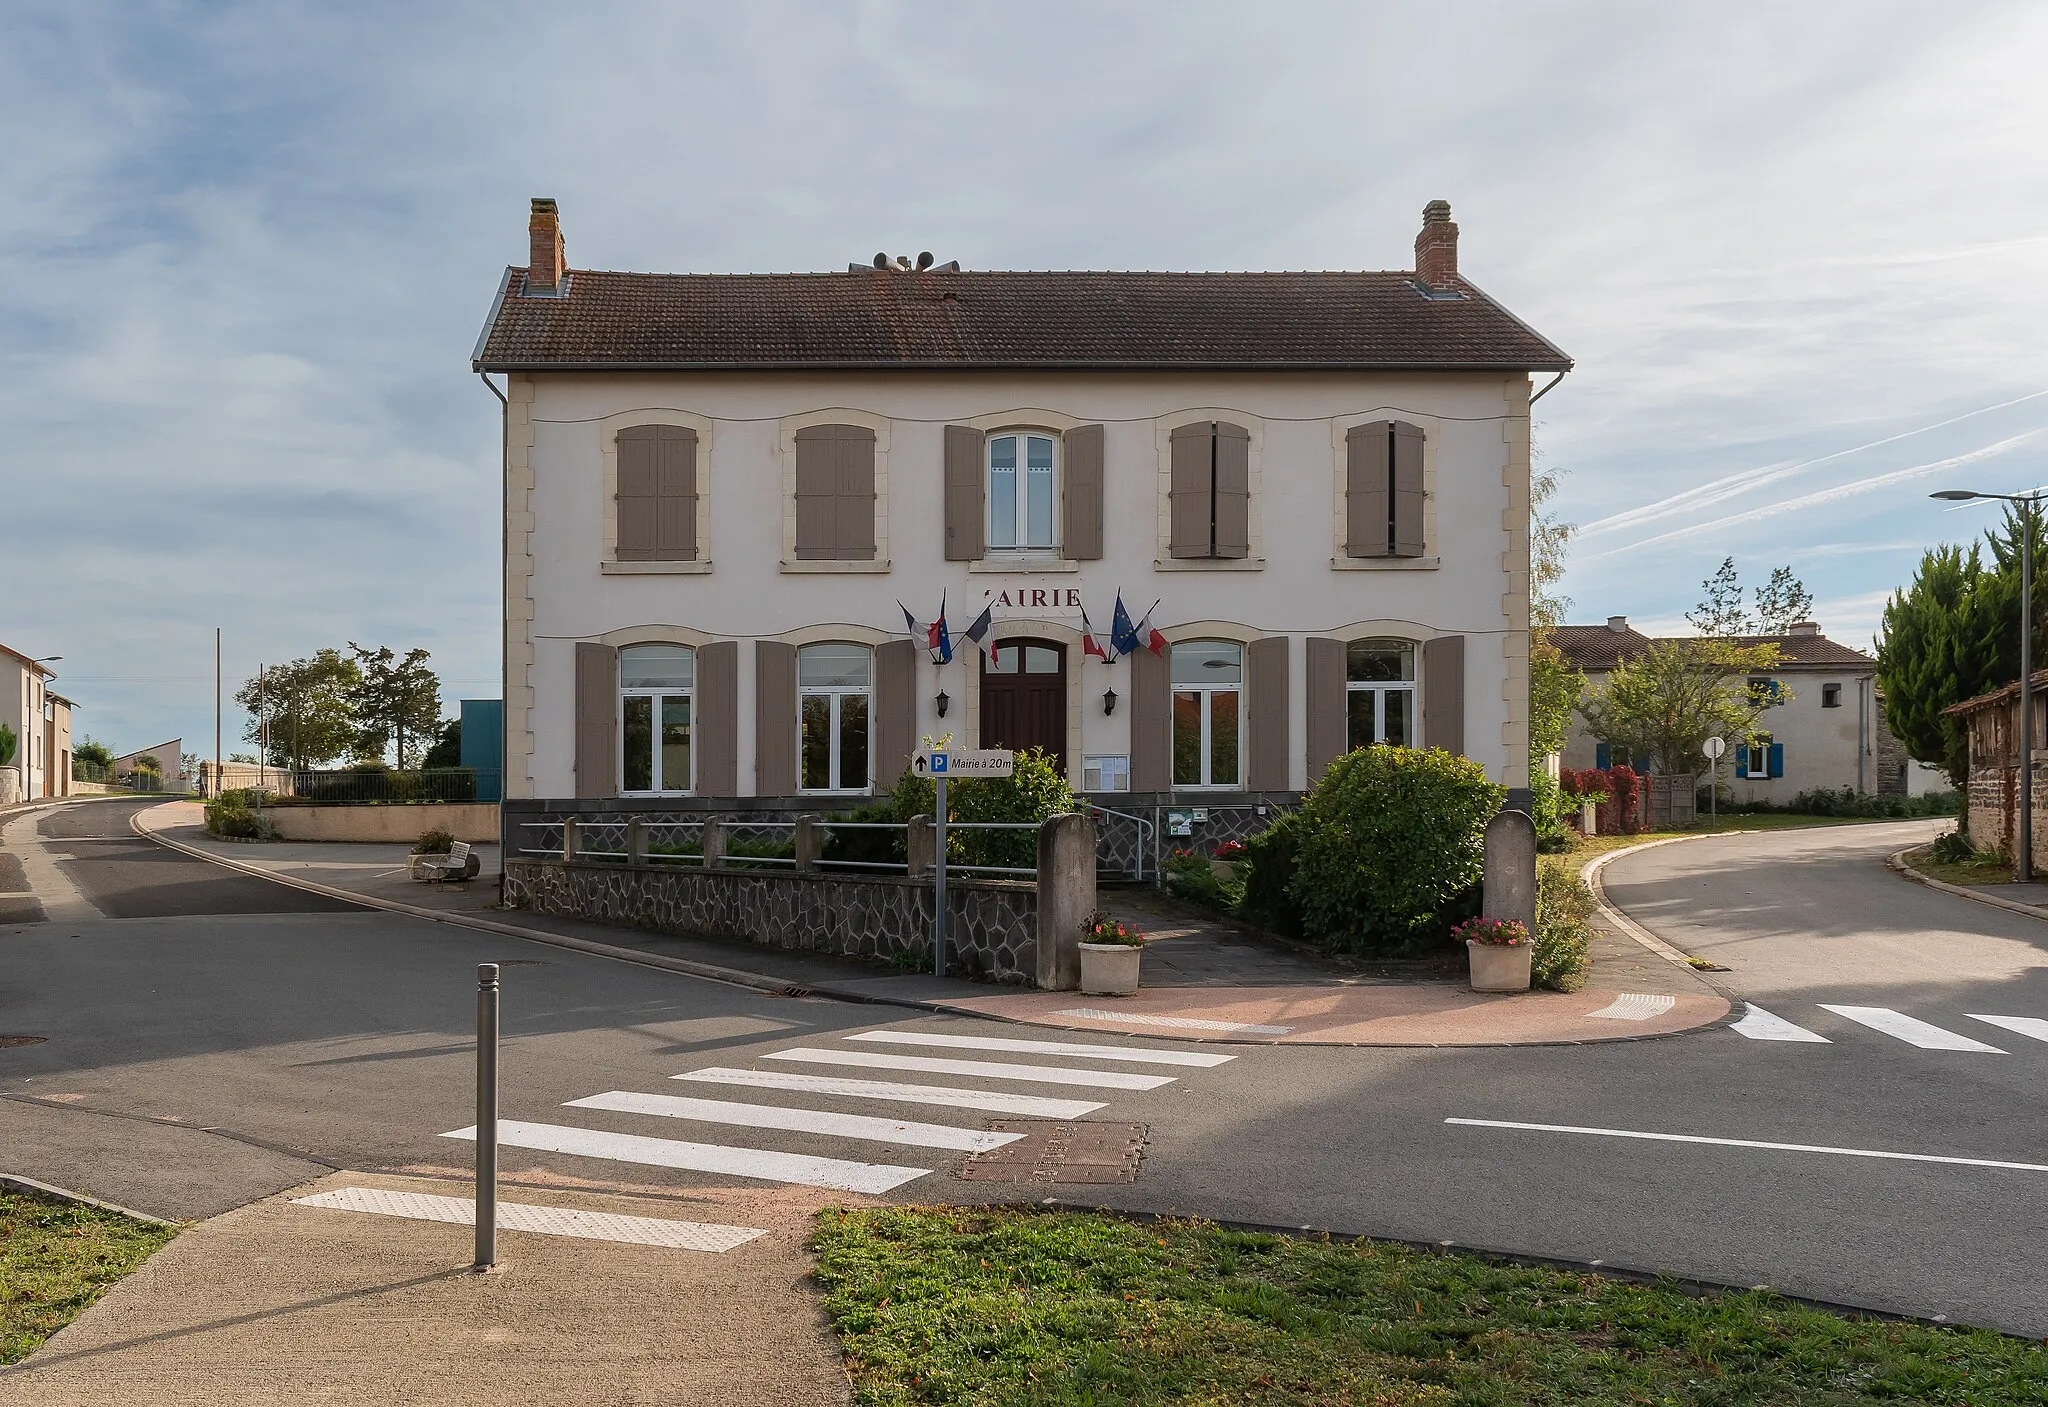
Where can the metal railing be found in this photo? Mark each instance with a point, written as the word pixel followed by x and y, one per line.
pixel 390 784
pixel 1146 843
pixel 628 840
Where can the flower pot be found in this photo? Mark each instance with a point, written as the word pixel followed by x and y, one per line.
pixel 1109 969
pixel 1589 817
pixel 1496 967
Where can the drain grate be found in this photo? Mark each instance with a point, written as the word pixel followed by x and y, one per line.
pixel 1053 1152
pixel 6 1041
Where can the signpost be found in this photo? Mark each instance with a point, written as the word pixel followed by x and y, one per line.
pixel 941 764
pixel 1713 748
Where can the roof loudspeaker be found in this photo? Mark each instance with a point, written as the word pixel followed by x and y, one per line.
pixel 881 261
pixel 924 261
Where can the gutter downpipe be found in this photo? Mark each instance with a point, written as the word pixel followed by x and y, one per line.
pixel 1548 389
pixel 504 600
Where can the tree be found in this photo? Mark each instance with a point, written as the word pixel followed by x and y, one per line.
pixel 148 763
pixel 397 703
pixel 93 751
pixel 1680 693
pixel 1720 615
pixel 1554 685
pixel 447 749
pixel 1782 601
pixel 8 743
pixel 310 707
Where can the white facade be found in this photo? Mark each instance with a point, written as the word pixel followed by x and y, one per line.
pixel 1296 581
pixel 41 723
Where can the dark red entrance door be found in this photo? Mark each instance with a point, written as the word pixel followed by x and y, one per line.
pixel 1024 698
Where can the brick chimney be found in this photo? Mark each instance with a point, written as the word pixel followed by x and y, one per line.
pixel 1436 248
pixel 1617 624
pixel 548 263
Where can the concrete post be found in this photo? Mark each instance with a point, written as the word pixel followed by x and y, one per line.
pixel 810 841
pixel 636 841
pixel 712 838
pixel 920 845
pixel 572 844
pixel 1066 897
pixel 1509 872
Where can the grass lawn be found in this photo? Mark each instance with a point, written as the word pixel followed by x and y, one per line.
pixel 55 1260
pixel 1967 872
pixel 936 1305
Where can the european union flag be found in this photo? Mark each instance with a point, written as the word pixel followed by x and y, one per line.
pixel 1123 636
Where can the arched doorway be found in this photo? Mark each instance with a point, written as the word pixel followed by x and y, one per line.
pixel 1024 698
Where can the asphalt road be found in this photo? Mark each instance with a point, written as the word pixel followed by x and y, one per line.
pixel 210 1042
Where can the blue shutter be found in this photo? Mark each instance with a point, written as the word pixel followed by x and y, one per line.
pixel 1777 759
pixel 1600 757
pixel 1742 759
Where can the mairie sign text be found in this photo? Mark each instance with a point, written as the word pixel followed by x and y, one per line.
pixel 988 762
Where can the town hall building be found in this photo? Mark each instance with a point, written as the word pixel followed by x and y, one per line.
pixel 723 493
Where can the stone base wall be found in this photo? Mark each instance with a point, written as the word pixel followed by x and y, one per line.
pixel 1993 802
pixel 991 926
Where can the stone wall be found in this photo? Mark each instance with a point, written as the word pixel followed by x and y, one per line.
pixel 991 926
pixel 473 821
pixel 1993 804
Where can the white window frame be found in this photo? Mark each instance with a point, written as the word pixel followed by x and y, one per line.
pixel 658 692
pixel 1206 713
pixel 1380 688
pixel 837 693
pixel 1020 493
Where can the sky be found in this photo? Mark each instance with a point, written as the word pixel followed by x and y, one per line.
pixel 1798 251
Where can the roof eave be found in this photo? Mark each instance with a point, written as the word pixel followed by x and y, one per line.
pixel 476 353
pixel 481 363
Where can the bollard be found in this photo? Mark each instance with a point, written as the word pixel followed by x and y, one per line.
pixel 486 1115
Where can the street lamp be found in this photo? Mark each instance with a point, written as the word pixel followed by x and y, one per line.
pixel 2028 502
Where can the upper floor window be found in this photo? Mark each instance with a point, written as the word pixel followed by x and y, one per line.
pixel 657 693
pixel 834 683
pixel 1831 696
pixel 1209 491
pixel 835 493
pixel 1208 713
pixel 657 494
pixel 1379 693
pixel 1383 490
pixel 1022 492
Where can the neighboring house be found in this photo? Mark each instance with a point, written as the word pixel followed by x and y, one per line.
pixel 1825 727
pixel 720 488
pixel 170 758
pixel 41 722
pixel 1992 798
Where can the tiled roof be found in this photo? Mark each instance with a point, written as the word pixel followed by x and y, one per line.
pixel 2003 695
pixel 1595 647
pixel 974 319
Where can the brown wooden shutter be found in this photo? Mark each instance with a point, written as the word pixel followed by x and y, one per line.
pixel 1233 490
pixel 636 497
pixel 817 486
pixel 964 506
pixel 1266 754
pixel 717 719
pixel 1081 508
pixel 1151 721
pixel 774 718
pixel 1368 502
pixel 854 518
pixel 895 718
pixel 1190 481
pixel 1443 693
pixel 1327 736
pixel 1407 491
pixel 597 720
pixel 675 487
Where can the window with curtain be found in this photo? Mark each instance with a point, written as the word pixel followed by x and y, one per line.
pixel 834 683
pixel 1022 493
pixel 1379 693
pixel 1208 713
pixel 657 685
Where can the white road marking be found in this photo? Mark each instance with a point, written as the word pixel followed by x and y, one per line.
pixel 2021 1025
pixel 835 1173
pixel 1761 1025
pixel 988 1101
pixel 1635 1006
pixel 770 1116
pixel 1181 1023
pixel 982 1069
pixel 1092 1052
pixel 547 1221
pixel 1753 1143
pixel 1909 1029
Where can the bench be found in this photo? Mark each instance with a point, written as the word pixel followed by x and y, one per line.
pixel 458 863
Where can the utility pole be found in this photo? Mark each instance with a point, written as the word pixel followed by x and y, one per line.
pixel 217 788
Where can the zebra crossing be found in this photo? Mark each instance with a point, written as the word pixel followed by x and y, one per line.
pixel 855 1110
pixel 1758 1024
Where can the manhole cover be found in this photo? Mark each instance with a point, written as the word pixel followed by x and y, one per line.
pixel 6 1041
pixel 1051 1152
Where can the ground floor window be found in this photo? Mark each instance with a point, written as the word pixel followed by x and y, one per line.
pixel 1760 758
pixel 1379 693
pixel 656 692
pixel 1208 711
pixel 833 684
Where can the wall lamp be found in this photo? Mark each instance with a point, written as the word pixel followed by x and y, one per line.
pixel 1109 701
pixel 941 701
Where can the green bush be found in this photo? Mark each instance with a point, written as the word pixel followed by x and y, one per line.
pixel 1190 876
pixel 864 846
pixel 436 840
pixel 1270 858
pixel 1847 801
pixel 1036 792
pixel 1549 807
pixel 1564 932
pixel 1390 840
pixel 235 814
pixel 1952 848
pixel 8 742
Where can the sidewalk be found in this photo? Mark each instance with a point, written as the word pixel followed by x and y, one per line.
pixel 280 1302
pixel 1204 978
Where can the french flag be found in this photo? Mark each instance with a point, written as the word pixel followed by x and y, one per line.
pixel 1148 634
pixel 1090 644
pixel 979 634
pixel 938 639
